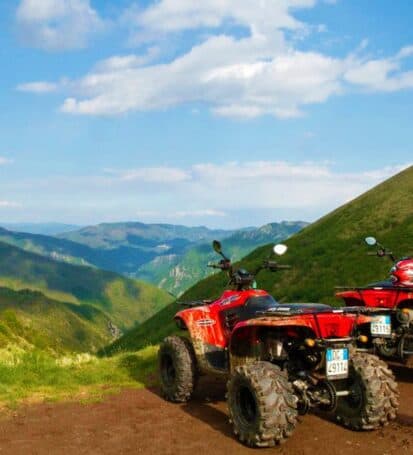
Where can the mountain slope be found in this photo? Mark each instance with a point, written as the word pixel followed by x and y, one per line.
pixel 126 301
pixel 176 274
pixel 29 318
pixel 328 253
pixel 52 247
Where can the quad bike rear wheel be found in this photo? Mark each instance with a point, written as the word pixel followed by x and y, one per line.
pixel 177 369
pixel 374 396
pixel 261 403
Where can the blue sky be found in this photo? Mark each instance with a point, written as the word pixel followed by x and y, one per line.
pixel 221 113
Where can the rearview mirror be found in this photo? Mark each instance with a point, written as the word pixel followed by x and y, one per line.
pixel 217 246
pixel 371 241
pixel 280 249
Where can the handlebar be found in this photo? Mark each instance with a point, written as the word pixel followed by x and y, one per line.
pixel 241 278
pixel 273 266
pixel 222 265
pixel 381 253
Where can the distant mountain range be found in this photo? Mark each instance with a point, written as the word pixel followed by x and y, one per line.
pixel 41 228
pixel 171 256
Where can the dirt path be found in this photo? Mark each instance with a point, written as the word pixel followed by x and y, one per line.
pixel 136 422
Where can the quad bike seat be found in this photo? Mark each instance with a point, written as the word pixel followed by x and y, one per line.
pixel 381 284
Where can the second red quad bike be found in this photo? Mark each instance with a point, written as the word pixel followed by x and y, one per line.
pixel 390 334
pixel 279 360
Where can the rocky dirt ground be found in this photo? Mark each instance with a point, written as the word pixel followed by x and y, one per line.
pixel 139 421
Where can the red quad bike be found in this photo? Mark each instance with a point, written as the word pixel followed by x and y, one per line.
pixel 390 334
pixel 279 360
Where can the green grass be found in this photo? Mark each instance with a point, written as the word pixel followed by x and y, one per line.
pixel 31 376
pixel 330 252
pixel 30 319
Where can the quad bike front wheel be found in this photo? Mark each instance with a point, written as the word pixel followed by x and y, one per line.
pixel 177 369
pixel 374 397
pixel 261 403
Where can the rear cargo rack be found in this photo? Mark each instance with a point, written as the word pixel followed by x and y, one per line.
pixel 366 288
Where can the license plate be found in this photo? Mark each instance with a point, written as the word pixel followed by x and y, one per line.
pixel 381 325
pixel 337 363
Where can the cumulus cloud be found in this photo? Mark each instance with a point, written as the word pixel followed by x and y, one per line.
pixel 211 73
pixel 258 72
pixel 38 87
pixel 121 62
pixel 384 75
pixel 57 24
pixel 172 15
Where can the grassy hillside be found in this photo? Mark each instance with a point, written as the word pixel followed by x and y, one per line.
pixel 124 300
pixel 52 247
pixel 29 319
pixel 328 253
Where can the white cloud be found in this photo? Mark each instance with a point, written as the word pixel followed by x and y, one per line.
pixel 9 205
pixel 172 15
pixel 383 75
pixel 38 87
pixel 211 73
pixel 162 175
pixel 121 62
pixel 4 161
pixel 260 73
pixel 199 213
pixel 57 24
pixel 259 171
pixel 246 185
pixel 231 194
pixel 163 215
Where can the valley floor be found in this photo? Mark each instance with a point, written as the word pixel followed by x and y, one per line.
pixel 139 421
